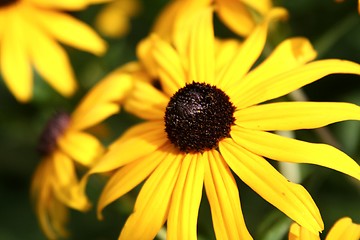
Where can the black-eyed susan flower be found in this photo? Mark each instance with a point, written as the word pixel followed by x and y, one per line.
pixel 28 33
pixel 204 121
pixel 65 143
pixel 114 19
pixel 344 228
pixel 241 16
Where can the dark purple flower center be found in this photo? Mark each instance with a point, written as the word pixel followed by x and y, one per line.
pixel 197 117
pixel 54 128
pixel 4 3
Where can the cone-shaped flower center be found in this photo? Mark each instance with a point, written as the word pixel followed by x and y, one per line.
pixel 197 117
pixel 54 128
pixel 4 3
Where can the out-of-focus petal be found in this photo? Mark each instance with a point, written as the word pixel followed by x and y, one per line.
pixel 51 61
pixel 170 69
pixel 295 115
pixel 262 6
pixel 236 16
pixel 257 173
pixel 102 101
pixel 71 5
pixel 223 196
pixel 297 232
pixel 344 228
pixel 296 78
pixel 291 150
pixel 185 201
pixel 130 176
pixel 155 100
pixel 14 59
pixel 82 147
pixel 68 30
pixel 152 204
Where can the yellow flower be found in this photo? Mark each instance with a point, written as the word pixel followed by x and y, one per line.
pixel 113 20
pixel 238 15
pixel 344 228
pixel 203 122
pixel 65 143
pixel 29 39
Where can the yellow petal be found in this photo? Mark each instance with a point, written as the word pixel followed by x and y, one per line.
pixel 137 142
pixel 292 199
pixel 51 61
pixel 295 115
pixel 71 5
pixel 69 30
pixel 297 232
pixel 65 183
pixel 344 228
pixel 225 50
pixel 130 176
pixel 288 55
pixel 172 76
pixel 146 101
pixel 262 6
pixel 290 150
pixel 151 206
pixel 250 50
pixel 14 59
pixel 223 196
pixel 289 81
pixel 80 146
pixel 185 201
pixel 102 101
pixel 236 16
pixel 201 48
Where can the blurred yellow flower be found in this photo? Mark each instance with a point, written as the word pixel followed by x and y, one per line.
pixel 65 143
pixel 343 229
pixel 241 16
pixel 114 19
pixel 28 33
pixel 204 121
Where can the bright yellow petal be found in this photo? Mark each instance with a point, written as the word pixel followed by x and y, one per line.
pixel 69 30
pixel 137 142
pixel 289 81
pixel 71 5
pixel 130 176
pixel 80 146
pixel 151 206
pixel 172 75
pixel 225 50
pixel 297 232
pixel 51 61
pixel 288 55
pixel 201 48
pixel 223 196
pixel 102 101
pixel 146 101
pixel 292 199
pixel 248 53
pixel 344 228
pixel 185 201
pixel 291 150
pixel 295 115
pixel 14 59
pixel 65 183
pixel 236 16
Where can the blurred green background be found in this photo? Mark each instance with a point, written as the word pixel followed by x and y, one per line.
pixel 333 28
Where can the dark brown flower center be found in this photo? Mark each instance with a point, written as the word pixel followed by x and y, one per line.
pixel 4 3
pixel 197 117
pixel 54 128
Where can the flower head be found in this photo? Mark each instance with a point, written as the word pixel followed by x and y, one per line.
pixel 344 228
pixel 65 143
pixel 29 39
pixel 204 120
